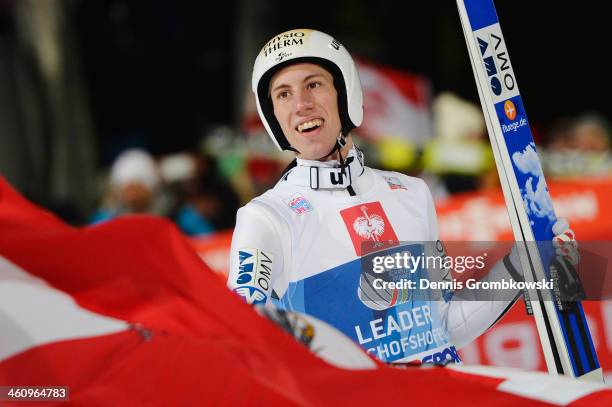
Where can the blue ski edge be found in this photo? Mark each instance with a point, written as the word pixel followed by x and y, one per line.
pixel 481 13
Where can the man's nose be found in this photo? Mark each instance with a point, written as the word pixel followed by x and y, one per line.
pixel 304 102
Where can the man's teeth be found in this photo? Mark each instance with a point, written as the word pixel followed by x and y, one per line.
pixel 310 124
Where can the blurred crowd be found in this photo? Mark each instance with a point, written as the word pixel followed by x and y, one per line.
pixel 186 187
pixel 577 147
pixel 202 189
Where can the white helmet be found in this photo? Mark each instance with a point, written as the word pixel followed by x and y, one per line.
pixel 312 46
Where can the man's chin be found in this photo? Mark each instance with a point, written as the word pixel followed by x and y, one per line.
pixel 321 154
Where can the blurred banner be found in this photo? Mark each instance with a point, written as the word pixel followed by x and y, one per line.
pixel 150 324
pixel 483 215
pixel 214 250
pixel 397 105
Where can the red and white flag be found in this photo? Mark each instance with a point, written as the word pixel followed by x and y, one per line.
pixel 126 313
pixel 397 104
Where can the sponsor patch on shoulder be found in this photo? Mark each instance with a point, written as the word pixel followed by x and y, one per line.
pixel 394 183
pixel 299 204
pixel 254 275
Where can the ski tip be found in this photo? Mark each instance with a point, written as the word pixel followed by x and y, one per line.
pixel 593 376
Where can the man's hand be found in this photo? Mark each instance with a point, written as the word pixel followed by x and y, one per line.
pixel 565 242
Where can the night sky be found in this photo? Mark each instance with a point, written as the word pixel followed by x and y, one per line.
pixel 161 72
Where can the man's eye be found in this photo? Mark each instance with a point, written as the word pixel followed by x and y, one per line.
pixel 313 85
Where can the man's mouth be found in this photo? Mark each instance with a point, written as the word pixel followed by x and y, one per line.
pixel 309 126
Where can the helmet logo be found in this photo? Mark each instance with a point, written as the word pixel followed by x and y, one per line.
pixel 282 55
pixel 284 40
pixel 335 45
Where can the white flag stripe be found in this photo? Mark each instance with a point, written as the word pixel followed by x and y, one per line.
pixel 33 313
pixel 541 386
pixel 391 113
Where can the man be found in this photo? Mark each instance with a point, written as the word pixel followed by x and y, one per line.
pixel 300 245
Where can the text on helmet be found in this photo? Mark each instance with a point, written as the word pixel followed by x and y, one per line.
pixel 283 40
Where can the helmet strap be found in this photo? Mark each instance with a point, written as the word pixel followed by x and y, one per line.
pixel 338 146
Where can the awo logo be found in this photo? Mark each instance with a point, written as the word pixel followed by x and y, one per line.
pixel 254 274
pixel 496 62
pixel 368 222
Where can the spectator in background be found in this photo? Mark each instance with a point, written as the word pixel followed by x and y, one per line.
pixel 578 147
pixel 460 155
pixel 134 186
pixel 559 137
pixel 591 134
pixel 204 201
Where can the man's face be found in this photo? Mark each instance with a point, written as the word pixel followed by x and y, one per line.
pixel 306 107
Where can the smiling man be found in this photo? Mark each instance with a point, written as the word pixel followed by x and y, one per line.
pixel 306 107
pixel 301 244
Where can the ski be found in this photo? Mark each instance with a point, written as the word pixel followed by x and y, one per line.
pixel 564 333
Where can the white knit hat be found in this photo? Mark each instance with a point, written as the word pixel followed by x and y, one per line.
pixel 135 166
